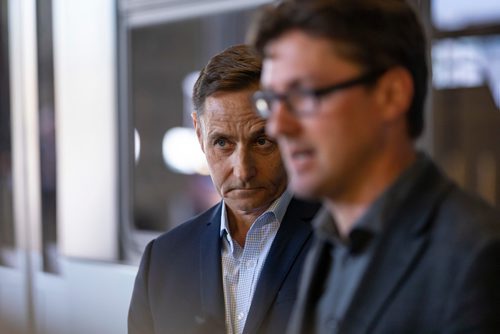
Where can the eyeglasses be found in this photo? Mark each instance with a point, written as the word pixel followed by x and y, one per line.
pixel 304 102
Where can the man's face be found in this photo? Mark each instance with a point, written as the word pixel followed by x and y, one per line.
pixel 327 154
pixel 244 163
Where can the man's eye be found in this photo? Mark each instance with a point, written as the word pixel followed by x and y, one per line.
pixel 221 142
pixel 262 141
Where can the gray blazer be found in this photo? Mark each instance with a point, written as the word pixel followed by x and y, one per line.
pixel 435 270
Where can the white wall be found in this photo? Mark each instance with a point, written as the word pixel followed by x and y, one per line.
pixel 86 128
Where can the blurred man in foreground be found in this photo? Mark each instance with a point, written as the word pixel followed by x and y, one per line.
pixel 399 248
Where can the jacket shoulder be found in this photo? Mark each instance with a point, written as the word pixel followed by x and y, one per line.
pixel 303 208
pixel 189 231
pixel 470 214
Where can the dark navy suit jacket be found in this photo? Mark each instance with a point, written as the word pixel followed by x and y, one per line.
pixel 179 290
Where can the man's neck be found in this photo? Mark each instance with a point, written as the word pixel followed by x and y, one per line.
pixel 348 209
pixel 240 223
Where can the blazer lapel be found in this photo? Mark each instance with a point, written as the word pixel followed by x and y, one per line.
pixel 311 286
pixel 312 282
pixel 211 288
pixel 397 253
pixel 381 281
pixel 294 232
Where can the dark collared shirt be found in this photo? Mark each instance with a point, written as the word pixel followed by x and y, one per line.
pixel 349 258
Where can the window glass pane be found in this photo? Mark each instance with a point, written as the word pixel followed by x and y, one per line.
pixel 163 63
pixel 7 238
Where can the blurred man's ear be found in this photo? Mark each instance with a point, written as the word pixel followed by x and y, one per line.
pixel 197 127
pixel 397 92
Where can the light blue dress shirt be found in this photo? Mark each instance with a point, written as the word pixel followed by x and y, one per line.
pixel 241 267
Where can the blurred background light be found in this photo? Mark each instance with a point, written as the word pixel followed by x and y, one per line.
pixel 182 152
pixel 137 145
pixel 460 14
pixel 467 62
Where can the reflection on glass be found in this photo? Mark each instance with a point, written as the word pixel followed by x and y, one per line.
pixel 163 62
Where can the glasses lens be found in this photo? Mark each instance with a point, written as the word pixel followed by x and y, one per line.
pixel 302 103
pixel 262 103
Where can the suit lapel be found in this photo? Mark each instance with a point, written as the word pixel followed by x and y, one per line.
pixel 397 252
pixel 211 288
pixel 381 281
pixel 311 286
pixel 295 230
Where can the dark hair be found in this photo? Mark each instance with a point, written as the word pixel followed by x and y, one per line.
pixel 236 68
pixel 377 34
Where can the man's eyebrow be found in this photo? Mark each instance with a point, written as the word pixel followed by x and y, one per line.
pixel 259 133
pixel 253 135
pixel 217 134
pixel 214 134
pixel 296 84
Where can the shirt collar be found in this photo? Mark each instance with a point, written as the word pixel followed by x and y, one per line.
pixel 277 209
pixel 372 222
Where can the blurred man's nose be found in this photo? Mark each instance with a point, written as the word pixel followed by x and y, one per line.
pixel 281 122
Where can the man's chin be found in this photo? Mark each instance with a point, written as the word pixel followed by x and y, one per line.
pixel 246 206
pixel 304 190
pixel 245 193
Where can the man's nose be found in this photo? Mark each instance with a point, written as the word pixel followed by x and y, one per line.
pixel 244 164
pixel 281 122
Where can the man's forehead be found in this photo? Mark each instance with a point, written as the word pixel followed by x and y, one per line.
pixel 283 75
pixel 227 125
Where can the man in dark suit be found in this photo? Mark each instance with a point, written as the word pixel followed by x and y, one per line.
pixel 399 248
pixel 235 267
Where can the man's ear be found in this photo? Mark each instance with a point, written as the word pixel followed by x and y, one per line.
pixel 197 128
pixel 396 93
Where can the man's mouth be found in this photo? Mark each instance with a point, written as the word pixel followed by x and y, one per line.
pixel 301 159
